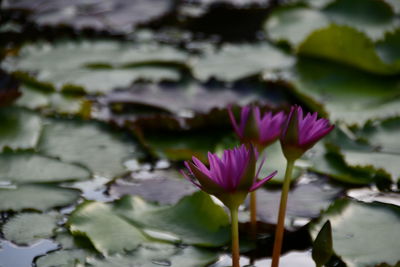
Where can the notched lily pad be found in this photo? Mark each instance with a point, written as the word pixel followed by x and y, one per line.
pixel 355 224
pixel 36 197
pixel 91 144
pixel 162 186
pixel 305 201
pixel 20 129
pixel 231 63
pixel 28 167
pixel 26 228
pixel 95 66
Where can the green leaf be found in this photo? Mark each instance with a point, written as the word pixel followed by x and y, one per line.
pixel 30 167
pixel 322 248
pixel 387 48
pixel 93 220
pixel 305 201
pixel 64 258
pixel 354 48
pixel 359 230
pixel 96 66
pixel 34 98
pixel 276 161
pixel 374 17
pixel 26 228
pixel 88 143
pixel 294 24
pixel 346 94
pixel 195 219
pixel 234 62
pixel 36 197
pixel 163 254
pixel 20 129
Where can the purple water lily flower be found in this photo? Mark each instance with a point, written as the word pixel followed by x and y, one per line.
pixel 256 129
pixel 230 177
pixel 301 133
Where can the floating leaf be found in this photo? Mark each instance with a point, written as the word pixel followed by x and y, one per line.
pixel 65 258
pixel 25 228
pixel 346 94
pixel 373 17
pixel 163 186
pixel 387 49
pixel 93 220
pixel 305 201
pixel 88 143
pixel 194 219
pixel 353 49
pixel 294 24
pixel 355 224
pixel 95 66
pixel 322 247
pixel 159 254
pixel 20 129
pixel 30 167
pixel 231 63
pixel 36 197
pixel 118 16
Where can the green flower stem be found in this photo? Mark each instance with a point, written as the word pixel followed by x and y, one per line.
pixel 253 214
pixel 235 237
pixel 281 217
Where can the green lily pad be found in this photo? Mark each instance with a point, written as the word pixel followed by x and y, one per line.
pixel 294 24
pixel 96 66
pixel 346 94
pixel 387 49
pixel 64 258
pixel 373 17
pixel 305 201
pixel 26 228
pixel 231 63
pixel 355 224
pixel 93 220
pixel 36 197
pixel 88 143
pixel 194 219
pixel 159 254
pixel 20 128
pixel 276 161
pixel 30 167
pixel 354 48
pixel 34 98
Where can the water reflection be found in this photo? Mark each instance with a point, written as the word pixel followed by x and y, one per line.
pixel 15 256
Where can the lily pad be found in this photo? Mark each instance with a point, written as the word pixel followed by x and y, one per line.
pixel 90 144
pixel 34 98
pixel 93 220
pixel 95 66
pixel 195 219
pixel 164 187
pixel 355 224
pixel 26 228
pixel 305 201
pixel 65 258
pixel 36 197
pixel 30 167
pixel 20 128
pixel 234 62
pixel 355 49
pixel 294 24
pixel 387 48
pixel 373 17
pixel 346 94
pixel 276 161
pixel 159 254
pixel 118 17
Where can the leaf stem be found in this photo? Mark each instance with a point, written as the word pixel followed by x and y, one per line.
pixel 281 216
pixel 235 237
